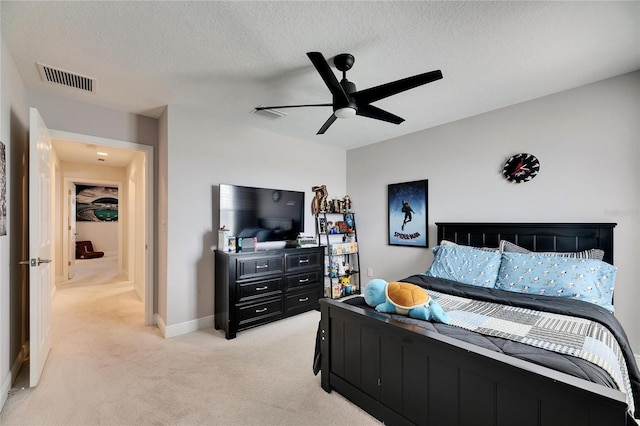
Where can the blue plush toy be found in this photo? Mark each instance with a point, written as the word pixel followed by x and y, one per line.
pixel 403 298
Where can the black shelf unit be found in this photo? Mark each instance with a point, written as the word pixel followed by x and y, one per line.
pixel 337 234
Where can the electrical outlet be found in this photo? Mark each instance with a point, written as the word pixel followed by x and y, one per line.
pixel 369 272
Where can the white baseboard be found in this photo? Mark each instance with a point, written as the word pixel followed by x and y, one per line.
pixel 169 331
pixel 138 292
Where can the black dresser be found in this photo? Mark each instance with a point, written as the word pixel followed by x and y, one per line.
pixel 257 287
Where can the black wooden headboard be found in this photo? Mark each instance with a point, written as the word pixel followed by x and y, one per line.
pixel 564 237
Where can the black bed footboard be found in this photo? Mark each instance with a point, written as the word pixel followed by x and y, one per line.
pixel 402 374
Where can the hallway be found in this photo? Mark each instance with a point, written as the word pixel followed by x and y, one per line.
pixel 74 301
pixel 92 272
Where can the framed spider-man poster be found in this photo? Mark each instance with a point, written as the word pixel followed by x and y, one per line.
pixel 408 208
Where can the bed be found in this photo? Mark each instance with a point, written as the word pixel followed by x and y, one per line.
pixel 406 371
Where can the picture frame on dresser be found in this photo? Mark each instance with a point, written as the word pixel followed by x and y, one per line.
pixel 408 213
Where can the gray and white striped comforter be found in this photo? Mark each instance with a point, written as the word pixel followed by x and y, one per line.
pixel 564 334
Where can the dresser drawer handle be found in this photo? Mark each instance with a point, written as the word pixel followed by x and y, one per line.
pixel 303 300
pixel 261 266
pixel 262 288
pixel 306 280
pixel 303 261
pixel 261 310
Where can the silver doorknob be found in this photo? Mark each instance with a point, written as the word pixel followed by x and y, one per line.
pixel 34 262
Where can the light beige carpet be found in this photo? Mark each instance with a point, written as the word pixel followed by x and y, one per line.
pixel 107 368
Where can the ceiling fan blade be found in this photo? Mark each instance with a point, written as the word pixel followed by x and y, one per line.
pixel 260 108
pixel 326 124
pixel 373 94
pixel 329 77
pixel 371 111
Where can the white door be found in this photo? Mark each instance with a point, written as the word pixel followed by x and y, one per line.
pixel 40 235
pixel 71 229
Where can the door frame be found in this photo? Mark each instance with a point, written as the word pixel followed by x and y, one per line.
pixel 67 183
pixel 68 256
pixel 148 152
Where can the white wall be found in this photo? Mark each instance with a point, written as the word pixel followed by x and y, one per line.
pixel 222 152
pixel 14 120
pixel 134 224
pixel 162 260
pixel 103 235
pixel 87 119
pixel 587 140
pixel 59 224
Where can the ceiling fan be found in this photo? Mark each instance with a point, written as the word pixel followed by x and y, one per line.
pixel 347 101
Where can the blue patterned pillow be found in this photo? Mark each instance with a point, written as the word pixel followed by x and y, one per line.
pixel 468 265
pixel 590 280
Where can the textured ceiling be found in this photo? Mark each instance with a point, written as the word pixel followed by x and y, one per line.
pixel 225 58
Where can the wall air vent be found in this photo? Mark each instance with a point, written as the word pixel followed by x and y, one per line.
pixel 66 78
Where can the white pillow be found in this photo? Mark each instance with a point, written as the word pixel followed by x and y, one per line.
pixel 509 247
pixel 452 244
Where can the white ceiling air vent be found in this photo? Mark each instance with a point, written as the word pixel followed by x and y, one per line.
pixel 66 78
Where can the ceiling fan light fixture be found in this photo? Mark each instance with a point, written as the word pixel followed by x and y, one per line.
pixel 348 101
pixel 347 112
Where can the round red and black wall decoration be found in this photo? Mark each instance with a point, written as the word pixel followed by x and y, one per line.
pixel 521 168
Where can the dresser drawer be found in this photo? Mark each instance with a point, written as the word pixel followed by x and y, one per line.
pixel 302 301
pixel 260 312
pixel 308 260
pixel 262 288
pixel 259 265
pixel 307 278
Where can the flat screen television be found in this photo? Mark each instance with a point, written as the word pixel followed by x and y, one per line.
pixel 265 213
